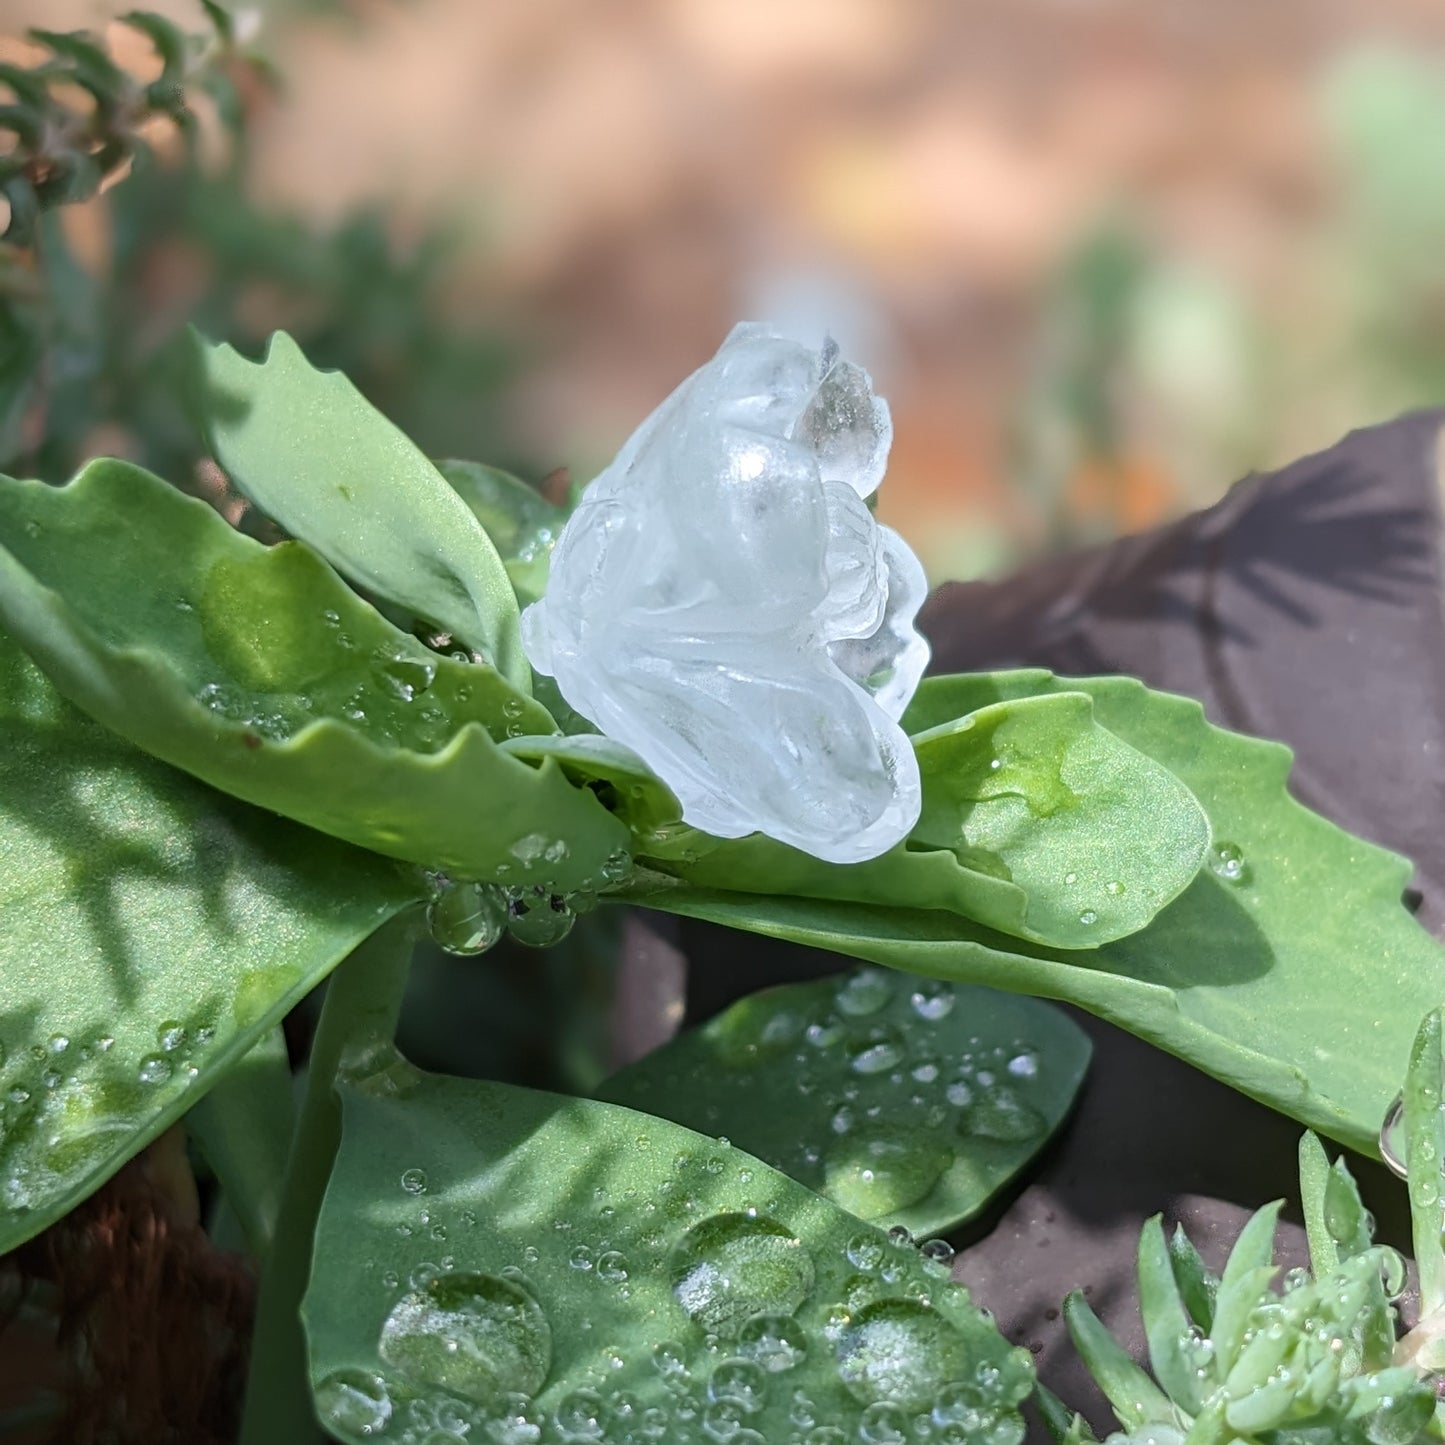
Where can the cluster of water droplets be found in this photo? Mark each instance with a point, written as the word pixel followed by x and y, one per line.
pixel 664 1314
pixel 901 1088
pixel 469 917
pixel 401 696
pixel 67 1102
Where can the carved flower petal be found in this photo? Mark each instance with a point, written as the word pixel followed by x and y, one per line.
pixel 723 602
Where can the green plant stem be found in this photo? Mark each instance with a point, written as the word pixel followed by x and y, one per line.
pixel 244 1128
pixel 358 1019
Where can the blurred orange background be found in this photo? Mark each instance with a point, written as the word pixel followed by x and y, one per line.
pixel 1102 255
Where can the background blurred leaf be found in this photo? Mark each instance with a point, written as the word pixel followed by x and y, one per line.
pixel 903 1100
pixel 596 1270
pixel 151 931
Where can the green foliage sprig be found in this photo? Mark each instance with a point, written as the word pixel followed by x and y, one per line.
pixel 64 152
pixel 1234 1361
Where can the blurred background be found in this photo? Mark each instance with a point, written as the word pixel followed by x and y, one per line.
pixel 1103 256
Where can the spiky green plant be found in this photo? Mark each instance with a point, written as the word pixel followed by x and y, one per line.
pixel 1317 1363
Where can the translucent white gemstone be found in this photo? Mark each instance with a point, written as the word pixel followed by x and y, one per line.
pixel 723 602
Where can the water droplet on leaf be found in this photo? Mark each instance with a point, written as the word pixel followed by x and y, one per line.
pixel 734 1266
pixel 467 918
pixel 353 1401
pixel 900 1351
pixel 474 1334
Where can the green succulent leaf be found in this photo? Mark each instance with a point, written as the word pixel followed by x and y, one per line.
pixel 1135 1398
pixel 257 670
pixel 1247 1274
pixel 308 449
pixel 1425 1157
pixel 1173 1342
pixel 151 931
pixel 1065 1427
pixel 521 522
pixel 904 1101
pixel 1253 974
pixel 1198 1285
pixel 490 1259
pixel 1037 821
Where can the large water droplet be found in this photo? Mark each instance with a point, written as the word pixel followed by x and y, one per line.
pixel 900 1351
pixel 405 677
pixel 734 1266
pixel 354 1401
pixel 864 992
pixel 467 918
pixel 474 1334
pixel 999 1113
pixel 539 920
pixel 875 1171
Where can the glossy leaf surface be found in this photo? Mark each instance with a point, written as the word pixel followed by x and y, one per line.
pixel 1289 968
pixel 521 522
pixel 309 450
pixel 256 669
pixel 491 1259
pixel 151 930
pixel 904 1101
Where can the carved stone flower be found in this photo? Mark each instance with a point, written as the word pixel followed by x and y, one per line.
pixel 723 602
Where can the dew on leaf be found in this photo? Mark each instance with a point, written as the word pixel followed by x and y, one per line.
pixel 476 1335
pixel 741 1381
pixel 775 1342
pixel 932 1000
pixel 612 1266
pixel 171 1036
pixel 467 918
pixel 999 1113
pixel 354 1401
pixel 864 991
pixel 154 1069
pixel 865 1251
pixel 405 678
pixel 1226 861
pixel 580 1415
pixel 734 1266
pixel 882 1050
pixel 900 1351
pixel 883 1423
pixel 875 1171
pixel 539 920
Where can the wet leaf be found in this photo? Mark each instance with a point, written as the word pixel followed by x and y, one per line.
pixel 903 1100
pixel 259 671
pixel 1253 974
pixel 308 449
pixel 491 1259
pixel 151 930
